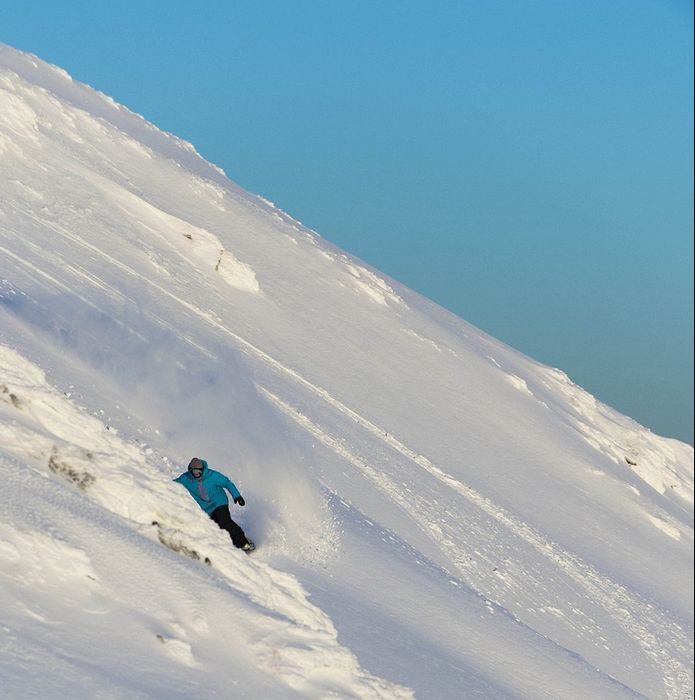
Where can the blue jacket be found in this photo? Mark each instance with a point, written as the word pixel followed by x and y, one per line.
pixel 208 490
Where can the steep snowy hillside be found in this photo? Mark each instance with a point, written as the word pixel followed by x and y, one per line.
pixel 438 516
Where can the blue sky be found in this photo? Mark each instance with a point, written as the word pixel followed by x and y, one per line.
pixel 527 164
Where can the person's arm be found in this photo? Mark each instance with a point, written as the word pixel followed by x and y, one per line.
pixel 231 487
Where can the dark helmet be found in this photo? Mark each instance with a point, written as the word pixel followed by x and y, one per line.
pixel 196 465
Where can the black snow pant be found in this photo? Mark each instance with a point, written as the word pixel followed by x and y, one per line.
pixel 222 517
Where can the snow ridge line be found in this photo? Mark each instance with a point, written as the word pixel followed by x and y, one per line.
pixel 675 673
pixel 612 595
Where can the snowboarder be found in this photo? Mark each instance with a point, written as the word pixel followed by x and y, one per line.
pixel 207 488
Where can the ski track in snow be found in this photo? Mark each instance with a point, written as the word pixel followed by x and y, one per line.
pixel 624 606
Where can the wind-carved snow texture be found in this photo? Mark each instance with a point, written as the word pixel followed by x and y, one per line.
pixel 437 515
pixel 655 461
pixel 373 286
pixel 192 243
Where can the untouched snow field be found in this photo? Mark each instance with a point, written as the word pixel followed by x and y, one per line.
pixel 437 515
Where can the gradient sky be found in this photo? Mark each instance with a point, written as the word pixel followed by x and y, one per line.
pixel 527 164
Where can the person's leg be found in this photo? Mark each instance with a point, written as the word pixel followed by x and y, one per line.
pixel 222 517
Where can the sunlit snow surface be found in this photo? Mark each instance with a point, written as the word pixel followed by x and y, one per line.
pixel 437 515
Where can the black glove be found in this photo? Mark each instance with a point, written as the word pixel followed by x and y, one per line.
pixel 239 500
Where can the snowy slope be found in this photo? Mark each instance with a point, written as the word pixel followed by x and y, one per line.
pixel 438 516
